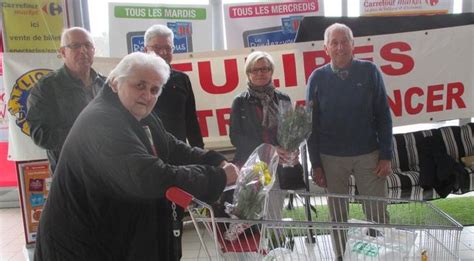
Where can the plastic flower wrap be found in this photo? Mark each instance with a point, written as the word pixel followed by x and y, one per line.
pixel 294 126
pixel 255 180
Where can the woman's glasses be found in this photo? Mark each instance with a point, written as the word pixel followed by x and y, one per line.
pixel 262 70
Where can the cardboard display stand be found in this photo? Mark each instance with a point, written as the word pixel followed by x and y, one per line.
pixel 34 180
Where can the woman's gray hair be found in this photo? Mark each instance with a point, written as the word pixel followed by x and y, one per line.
pixel 254 57
pixel 157 30
pixel 65 35
pixel 130 62
pixel 337 26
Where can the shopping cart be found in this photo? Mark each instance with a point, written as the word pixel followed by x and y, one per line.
pixel 417 231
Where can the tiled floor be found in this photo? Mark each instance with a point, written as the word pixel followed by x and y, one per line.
pixel 12 240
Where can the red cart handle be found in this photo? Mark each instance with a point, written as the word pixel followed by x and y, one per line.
pixel 179 196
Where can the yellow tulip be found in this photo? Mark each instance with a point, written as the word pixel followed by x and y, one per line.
pixel 262 168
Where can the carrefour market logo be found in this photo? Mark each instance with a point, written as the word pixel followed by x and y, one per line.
pixel 52 9
pixel 432 2
pixel 19 95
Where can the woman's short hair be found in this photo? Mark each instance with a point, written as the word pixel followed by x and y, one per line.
pixel 157 30
pixel 337 26
pixel 132 61
pixel 254 57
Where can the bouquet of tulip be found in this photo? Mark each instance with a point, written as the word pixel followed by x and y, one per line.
pixel 294 126
pixel 256 178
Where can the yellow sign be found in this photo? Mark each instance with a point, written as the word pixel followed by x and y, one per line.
pixel 32 26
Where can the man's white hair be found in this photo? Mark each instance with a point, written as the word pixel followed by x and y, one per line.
pixel 157 30
pixel 337 26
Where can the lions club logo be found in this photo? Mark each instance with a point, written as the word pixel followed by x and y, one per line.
pixel 19 95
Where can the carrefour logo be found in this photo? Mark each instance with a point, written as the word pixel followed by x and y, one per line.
pixel 17 104
pixel 52 9
pixel 432 2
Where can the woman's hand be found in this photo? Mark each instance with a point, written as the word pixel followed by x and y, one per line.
pixel 231 172
pixel 288 157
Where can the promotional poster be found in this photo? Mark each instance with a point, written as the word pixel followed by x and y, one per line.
pixel 405 7
pixel 33 26
pixel 186 22
pixel 261 24
pixel 34 185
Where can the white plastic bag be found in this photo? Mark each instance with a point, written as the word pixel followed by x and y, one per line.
pixel 255 180
pixel 366 243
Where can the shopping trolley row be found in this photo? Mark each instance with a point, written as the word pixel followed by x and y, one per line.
pixel 412 230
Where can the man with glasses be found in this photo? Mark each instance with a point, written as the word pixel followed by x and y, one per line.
pixel 176 106
pixel 57 98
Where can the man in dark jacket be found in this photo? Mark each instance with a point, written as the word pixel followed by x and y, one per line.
pixel 176 106
pixel 107 197
pixel 57 98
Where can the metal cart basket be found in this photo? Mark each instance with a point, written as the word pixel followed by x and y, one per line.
pixel 417 230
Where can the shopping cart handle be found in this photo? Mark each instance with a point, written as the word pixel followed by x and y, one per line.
pixel 179 196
